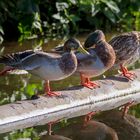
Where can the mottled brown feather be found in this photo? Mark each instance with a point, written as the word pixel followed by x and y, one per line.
pixel 68 63
pixel 126 47
pixel 106 53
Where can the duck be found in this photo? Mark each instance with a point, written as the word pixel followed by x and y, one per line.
pixel 103 54
pixel 47 66
pixel 101 57
pixel 127 50
pixel 97 59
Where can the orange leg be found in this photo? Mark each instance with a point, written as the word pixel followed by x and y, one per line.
pixel 5 70
pixel 48 90
pixel 126 108
pixel 50 126
pixel 129 75
pixel 87 83
pixel 88 117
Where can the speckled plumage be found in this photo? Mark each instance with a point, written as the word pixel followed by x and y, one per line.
pixel 127 48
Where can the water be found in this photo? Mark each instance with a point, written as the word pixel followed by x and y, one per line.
pixel 19 87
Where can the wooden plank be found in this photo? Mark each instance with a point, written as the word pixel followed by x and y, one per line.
pixel 76 101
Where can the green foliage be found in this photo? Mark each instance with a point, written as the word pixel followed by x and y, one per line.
pixel 129 14
pixel 32 89
pixel 137 20
pixel 135 111
pixel 29 18
pixel 60 18
pixel 25 133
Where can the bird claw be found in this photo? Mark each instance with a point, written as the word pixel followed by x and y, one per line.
pixel 126 73
pixel 91 85
pixel 129 75
pixel 51 94
pixel 87 85
pixel 95 85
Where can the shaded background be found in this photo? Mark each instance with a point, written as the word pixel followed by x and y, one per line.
pixel 32 18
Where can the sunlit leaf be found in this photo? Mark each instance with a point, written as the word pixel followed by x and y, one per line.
pixel 73 1
pixel 2 50
pixel 109 15
pixel 57 16
pixel 1 30
pixel 95 9
pixel 61 6
pixel 60 18
pixel 74 18
pixel 1 33
pixel 1 39
pixel 86 2
pixel 112 5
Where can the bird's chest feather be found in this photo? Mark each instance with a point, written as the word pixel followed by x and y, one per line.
pixel 49 71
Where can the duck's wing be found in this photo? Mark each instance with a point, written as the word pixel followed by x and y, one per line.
pixel 27 60
pixel 86 60
pixel 89 42
pixel 58 49
pixel 15 59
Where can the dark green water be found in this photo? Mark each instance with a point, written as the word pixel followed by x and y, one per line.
pixel 19 87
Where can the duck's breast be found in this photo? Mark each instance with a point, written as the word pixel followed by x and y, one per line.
pixel 90 65
pixel 49 70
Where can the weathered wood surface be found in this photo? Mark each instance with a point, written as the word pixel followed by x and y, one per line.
pixel 76 101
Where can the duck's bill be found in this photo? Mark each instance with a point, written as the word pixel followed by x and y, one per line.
pixel 82 50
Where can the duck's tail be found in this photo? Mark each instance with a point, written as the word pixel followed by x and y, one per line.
pixel 7 59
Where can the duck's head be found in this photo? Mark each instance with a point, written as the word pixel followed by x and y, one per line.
pixel 73 44
pixel 94 38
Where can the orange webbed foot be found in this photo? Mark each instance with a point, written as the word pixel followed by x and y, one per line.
pixel 48 91
pixel 94 85
pixel 87 83
pixel 129 75
pixel 91 85
pixel 52 94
